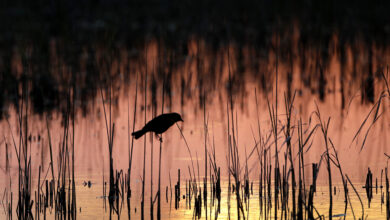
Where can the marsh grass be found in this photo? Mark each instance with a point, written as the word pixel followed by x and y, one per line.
pixel 25 202
pixel 282 191
pixel 116 178
pixel 215 183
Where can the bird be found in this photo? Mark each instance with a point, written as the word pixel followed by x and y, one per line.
pixel 158 125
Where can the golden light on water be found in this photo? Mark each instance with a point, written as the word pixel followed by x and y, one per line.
pixel 188 83
pixel 91 205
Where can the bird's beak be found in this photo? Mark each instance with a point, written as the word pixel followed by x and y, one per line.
pixel 182 120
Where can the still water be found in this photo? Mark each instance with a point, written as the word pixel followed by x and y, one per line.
pixel 213 91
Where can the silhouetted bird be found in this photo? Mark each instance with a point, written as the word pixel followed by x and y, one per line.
pixel 159 124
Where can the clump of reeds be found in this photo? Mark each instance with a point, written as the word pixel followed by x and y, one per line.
pixel 234 166
pixel 65 196
pixel 23 153
pixel 324 125
pixel 215 182
pixel 117 182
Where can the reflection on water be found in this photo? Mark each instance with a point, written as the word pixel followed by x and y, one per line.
pixel 227 96
pixel 337 71
pixel 91 204
pixel 376 210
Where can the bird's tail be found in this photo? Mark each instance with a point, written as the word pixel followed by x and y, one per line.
pixel 138 134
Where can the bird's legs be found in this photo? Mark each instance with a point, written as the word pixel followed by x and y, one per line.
pixel 159 136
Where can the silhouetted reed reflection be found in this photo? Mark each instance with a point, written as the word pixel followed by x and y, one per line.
pixel 102 87
pixel 286 108
pixel 342 70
